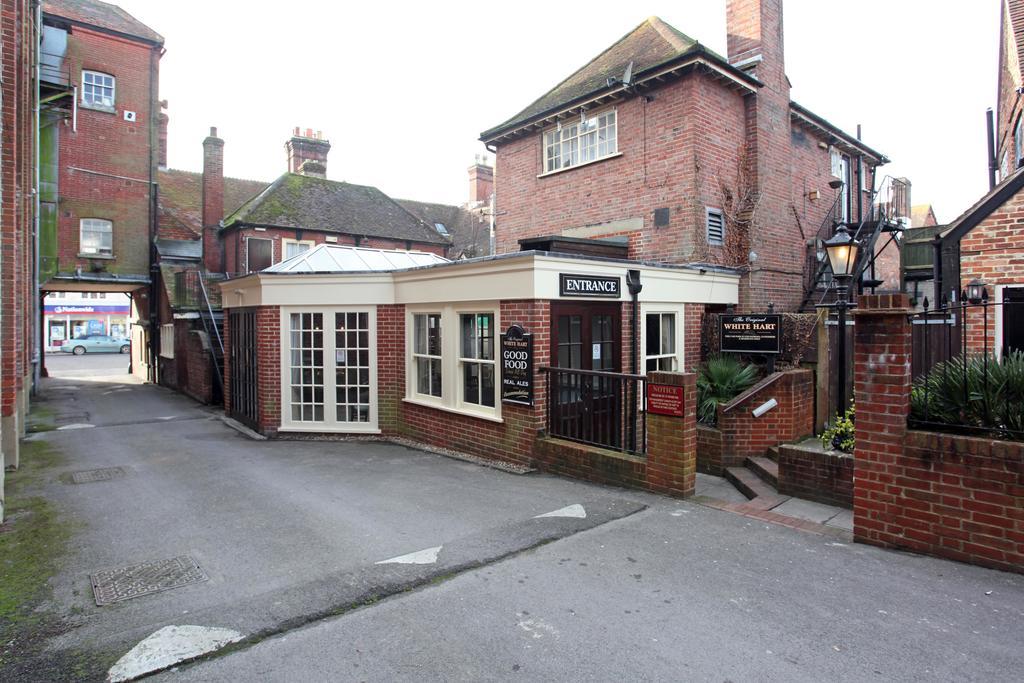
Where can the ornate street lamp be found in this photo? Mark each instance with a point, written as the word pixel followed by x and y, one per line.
pixel 976 291
pixel 842 256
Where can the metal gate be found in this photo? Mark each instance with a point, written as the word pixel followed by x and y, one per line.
pixel 243 369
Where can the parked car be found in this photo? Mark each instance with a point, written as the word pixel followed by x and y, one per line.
pixel 96 343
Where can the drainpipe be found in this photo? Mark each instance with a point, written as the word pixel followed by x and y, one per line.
pixel 154 266
pixel 37 308
pixel 991 139
pixel 633 282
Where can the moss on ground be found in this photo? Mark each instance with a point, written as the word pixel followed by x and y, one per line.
pixel 33 540
pixel 42 419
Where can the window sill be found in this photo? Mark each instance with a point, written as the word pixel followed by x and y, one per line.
pixel 489 417
pixel 98 107
pixel 585 163
pixel 107 257
pixel 328 429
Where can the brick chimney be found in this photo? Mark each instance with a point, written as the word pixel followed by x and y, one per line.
pixel 755 45
pixel 213 201
pixel 307 153
pixel 481 181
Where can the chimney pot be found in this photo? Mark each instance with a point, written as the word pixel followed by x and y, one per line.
pixel 307 148
pixel 213 131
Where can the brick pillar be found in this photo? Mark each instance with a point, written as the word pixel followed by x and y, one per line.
pixel 672 441
pixel 882 383
pixel 213 201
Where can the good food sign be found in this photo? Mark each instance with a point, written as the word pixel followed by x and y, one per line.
pixel 750 333
pixel 517 366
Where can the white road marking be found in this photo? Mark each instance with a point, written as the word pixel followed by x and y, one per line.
pixel 77 425
pixel 568 511
pixel 168 646
pixel 427 556
pixel 538 628
pixel 167 417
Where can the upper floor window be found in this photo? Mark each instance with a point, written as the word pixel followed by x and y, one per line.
pixel 1018 143
pixel 580 142
pixel 96 237
pixel 97 89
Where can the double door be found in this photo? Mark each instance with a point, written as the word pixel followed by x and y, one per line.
pixel 586 406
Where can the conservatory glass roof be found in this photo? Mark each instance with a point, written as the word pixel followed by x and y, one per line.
pixel 334 258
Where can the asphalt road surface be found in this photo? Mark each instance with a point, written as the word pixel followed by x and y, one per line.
pixel 302 544
pixel 59 364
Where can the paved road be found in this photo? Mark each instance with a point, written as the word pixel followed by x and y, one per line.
pixel 67 365
pixel 642 588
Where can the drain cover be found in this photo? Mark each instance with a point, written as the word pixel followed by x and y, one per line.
pixel 114 585
pixel 104 474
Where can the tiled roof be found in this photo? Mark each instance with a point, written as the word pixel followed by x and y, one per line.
pixel 102 15
pixel 650 44
pixel 469 231
pixel 181 197
pixel 310 203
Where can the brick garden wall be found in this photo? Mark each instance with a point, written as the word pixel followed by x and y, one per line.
pixel 814 475
pixel 941 494
pixel 739 435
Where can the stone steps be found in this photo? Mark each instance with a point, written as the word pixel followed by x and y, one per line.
pixel 765 468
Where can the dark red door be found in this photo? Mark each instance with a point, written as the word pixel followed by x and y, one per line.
pixel 586 407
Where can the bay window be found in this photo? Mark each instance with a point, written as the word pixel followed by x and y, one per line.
pixel 477 358
pixel 427 353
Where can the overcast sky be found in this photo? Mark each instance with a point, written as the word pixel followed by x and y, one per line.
pixel 403 90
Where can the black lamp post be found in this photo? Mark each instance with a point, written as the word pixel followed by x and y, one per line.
pixel 842 256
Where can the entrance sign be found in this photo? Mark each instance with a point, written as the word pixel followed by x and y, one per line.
pixel 758 333
pixel 517 366
pixel 599 286
pixel 663 399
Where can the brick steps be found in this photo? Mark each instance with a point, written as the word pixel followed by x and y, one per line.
pixel 765 468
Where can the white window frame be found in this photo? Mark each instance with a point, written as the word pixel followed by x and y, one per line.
pixel 330 422
pixel 427 357
pixel 94 225
pixel 265 239
pixel 285 241
pixel 452 398
pixel 86 101
pixel 167 340
pixel 680 351
pixel 567 139
pixel 465 361
pixel 708 212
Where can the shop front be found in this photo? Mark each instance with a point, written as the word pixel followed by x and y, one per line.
pixel 353 341
pixel 71 315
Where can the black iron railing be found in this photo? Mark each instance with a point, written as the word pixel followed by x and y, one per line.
pixel 967 362
pixel 605 409
pixel 196 290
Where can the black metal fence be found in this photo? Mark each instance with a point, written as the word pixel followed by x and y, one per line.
pixel 189 286
pixel 967 363
pixel 244 375
pixel 605 409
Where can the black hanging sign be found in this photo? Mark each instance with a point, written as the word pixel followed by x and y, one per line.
pixel 750 333
pixel 517 366
pixel 600 286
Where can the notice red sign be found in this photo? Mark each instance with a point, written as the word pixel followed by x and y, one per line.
pixel 663 399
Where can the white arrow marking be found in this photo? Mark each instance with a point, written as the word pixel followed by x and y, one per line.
pixel 428 556
pixel 168 646
pixel 167 417
pixel 77 425
pixel 568 511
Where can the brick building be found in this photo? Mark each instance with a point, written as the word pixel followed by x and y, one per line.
pixel 694 158
pixel 99 144
pixel 18 48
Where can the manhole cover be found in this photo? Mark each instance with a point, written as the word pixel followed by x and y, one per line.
pixel 103 474
pixel 114 585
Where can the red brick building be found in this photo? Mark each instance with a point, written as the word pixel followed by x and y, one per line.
pixel 1009 141
pixel 694 157
pixel 99 145
pixel 18 49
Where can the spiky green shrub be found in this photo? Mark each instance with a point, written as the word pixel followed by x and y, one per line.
pixel 986 394
pixel 841 434
pixel 721 379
